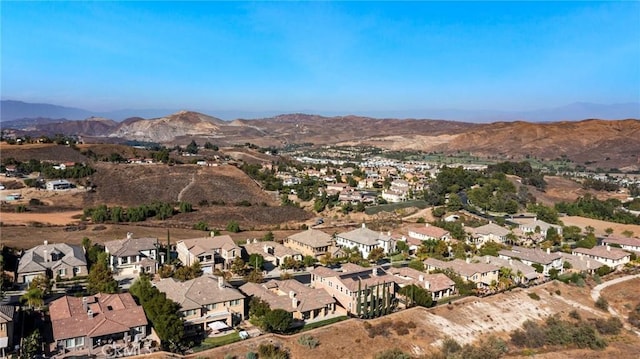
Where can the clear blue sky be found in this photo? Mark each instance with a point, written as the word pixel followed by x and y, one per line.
pixel 320 56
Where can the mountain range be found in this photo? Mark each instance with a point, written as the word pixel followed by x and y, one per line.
pixel 15 110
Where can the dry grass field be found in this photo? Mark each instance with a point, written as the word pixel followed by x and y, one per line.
pixel 466 320
pixel 600 226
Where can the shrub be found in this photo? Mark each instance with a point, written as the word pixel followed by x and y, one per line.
pixel 634 317
pixel 229 356
pixel 609 326
pixel 534 296
pixel 308 341
pixel 270 351
pixel 602 304
pixel 394 353
pixel 574 314
pixel 558 292
pixel 251 355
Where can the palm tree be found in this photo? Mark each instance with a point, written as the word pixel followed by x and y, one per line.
pixel 505 277
pixel 34 297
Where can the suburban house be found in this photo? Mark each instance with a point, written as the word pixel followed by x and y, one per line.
pixel 351 281
pixel 394 195
pixel 533 257
pixel 206 302
pixel 612 257
pixel 483 274
pixel 438 284
pixel 312 242
pixel 7 316
pixel 365 240
pixel 534 225
pixel 58 260
pixel 521 273
pixel 271 251
pixel 81 325
pixel 133 256
pixel 303 302
pixel 580 263
pixel 429 232
pixel 489 232
pixel 628 244
pixel 212 252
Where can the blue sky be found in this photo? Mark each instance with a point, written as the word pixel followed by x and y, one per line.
pixel 349 57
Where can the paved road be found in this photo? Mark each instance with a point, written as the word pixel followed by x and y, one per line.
pixel 595 294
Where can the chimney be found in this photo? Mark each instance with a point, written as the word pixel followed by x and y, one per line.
pixel 294 303
pixel 468 260
pixel 220 282
pixel 486 259
pixel 90 313
pixel 389 233
pixel 292 294
pixel 46 256
pixel 84 304
pixel 255 240
pixel 510 261
pixel 427 285
pixel 374 272
pixel 46 242
pixel 426 224
pixel 420 278
pixel 548 250
pixel 129 235
pixel 608 248
pixel 363 226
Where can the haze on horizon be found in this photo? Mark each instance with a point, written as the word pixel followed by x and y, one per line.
pixel 322 57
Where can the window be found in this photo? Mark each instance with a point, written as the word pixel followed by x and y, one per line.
pixel 124 260
pixel 62 271
pixel 235 302
pixel 74 342
pixel 211 306
pixel 76 270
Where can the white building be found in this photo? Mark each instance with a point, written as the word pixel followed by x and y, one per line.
pixel 366 240
pixel 612 257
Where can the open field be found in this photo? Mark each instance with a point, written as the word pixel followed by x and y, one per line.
pixel 600 226
pixel 465 320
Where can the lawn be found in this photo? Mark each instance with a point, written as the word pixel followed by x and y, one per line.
pixel 214 342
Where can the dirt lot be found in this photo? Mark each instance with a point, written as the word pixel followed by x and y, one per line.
pixel 623 297
pixel 600 226
pixel 466 320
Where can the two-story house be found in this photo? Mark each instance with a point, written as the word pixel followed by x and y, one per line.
pixel 7 316
pixel 303 302
pixel 535 257
pixel 483 275
pixel 612 257
pixel 438 284
pixel 82 325
pixel 205 300
pixel 212 252
pixel 312 242
pixel 429 232
pixel 488 233
pixel 59 260
pixel 271 251
pixel 352 284
pixel 628 244
pixel 534 225
pixel 133 256
pixel 365 240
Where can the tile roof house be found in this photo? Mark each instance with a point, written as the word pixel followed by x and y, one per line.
pixel 348 282
pixel 520 272
pixel 612 257
pixel 303 302
pixel 311 242
pixel 205 300
pixel 486 233
pixel 628 244
pixel 133 256
pixel 271 251
pixel 532 256
pixel 52 260
pixel 580 263
pixel 82 324
pixel 533 225
pixel 428 232
pixel 7 319
pixel 366 240
pixel 438 284
pixel 211 252
pixel 483 274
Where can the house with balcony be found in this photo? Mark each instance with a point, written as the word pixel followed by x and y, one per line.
pixel 215 252
pixel 534 225
pixel 133 256
pixel 272 252
pixel 52 260
pixel 438 284
pixel 352 284
pixel 612 257
pixel 365 240
pixel 484 275
pixel 206 302
pixel 488 233
pixel 305 303
pixel 546 260
pixel 429 232
pixel 311 242
pixel 83 325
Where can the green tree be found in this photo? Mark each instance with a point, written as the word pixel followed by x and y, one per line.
pixel 268 237
pixel 233 226
pixel 186 207
pixel 309 261
pixel 258 308
pixel 101 278
pixel 192 147
pixel 417 295
pixel 417 265
pixel 393 353
pixel 375 255
pixel 238 266
pixel 34 297
pixel 454 203
pixel 256 261
pixel 278 321
pixel 31 345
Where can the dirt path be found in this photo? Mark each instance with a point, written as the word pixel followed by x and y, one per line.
pixel 54 219
pixel 186 188
pixel 595 294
